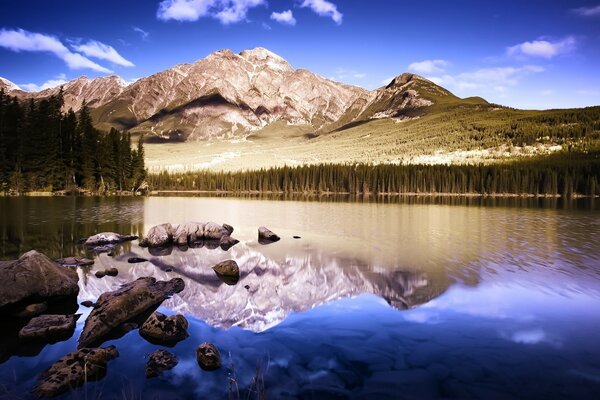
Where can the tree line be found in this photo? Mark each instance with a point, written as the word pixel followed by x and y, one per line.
pixel 566 174
pixel 43 148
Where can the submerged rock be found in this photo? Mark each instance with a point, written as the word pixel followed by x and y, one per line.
pixel 103 249
pixel 111 271
pixel 75 261
pixel 34 279
pixel 184 234
pixel 135 260
pixel 107 238
pixel 208 357
pixel 49 328
pixel 160 329
pixel 100 274
pixel 88 303
pixel 228 271
pixel 75 369
pixel 160 361
pixel 266 236
pixel 137 298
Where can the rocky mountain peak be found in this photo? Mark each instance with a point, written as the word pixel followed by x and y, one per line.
pixel 7 85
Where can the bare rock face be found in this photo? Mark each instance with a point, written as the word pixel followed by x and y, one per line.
pixel 228 271
pixel 34 278
pixel 107 238
pixel 266 236
pixel 135 299
pixel 49 328
pixel 75 369
pixel 208 357
pixel 163 330
pixel 160 361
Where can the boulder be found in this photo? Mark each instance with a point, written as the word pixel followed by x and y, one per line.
pixel 185 234
pixel 229 228
pixel 266 236
pixel 49 328
pixel 228 271
pixel 34 278
pixel 100 274
pixel 208 357
pixel 30 310
pixel 135 299
pixel 107 238
pixel 159 361
pixel 111 271
pixel 159 235
pixel 75 261
pixel 135 260
pixel 188 233
pixel 163 330
pixel 88 303
pixel 227 242
pixel 75 369
pixel 214 231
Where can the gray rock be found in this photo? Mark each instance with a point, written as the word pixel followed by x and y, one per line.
pixel 266 235
pixel 111 271
pixel 34 277
pixel 228 271
pixel 227 242
pixel 75 261
pixel 215 231
pixel 49 328
pixel 184 234
pixel 208 357
pixel 159 361
pixel 159 235
pixel 75 369
pixel 107 238
pixel 118 307
pixel 160 329
pixel 229 228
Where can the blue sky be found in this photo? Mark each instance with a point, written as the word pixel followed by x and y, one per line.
pixel 526 53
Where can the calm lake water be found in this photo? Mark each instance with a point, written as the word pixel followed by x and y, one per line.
pixel 409 299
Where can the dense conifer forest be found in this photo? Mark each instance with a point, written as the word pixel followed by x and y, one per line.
pixel 45 149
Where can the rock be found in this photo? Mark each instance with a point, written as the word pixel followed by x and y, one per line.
pixel 159 361
pixel 103 249
pixel 111 271
pixel 208 357
pixel 107 238
pixel 160 251
pixel 228 271
pixel 49 328
pixel 159 235
pixel 229 228
pixel 75 369
pixel 215 231
pixel 100 274
pixel 75 261
pixel 30 310
pixel 88 303
pixel 134 260
pixel 188 233
pixel 266 236
pixel 34 278
pixel 297 237
pixel 134 299
pixel 227 242
pixel 163 330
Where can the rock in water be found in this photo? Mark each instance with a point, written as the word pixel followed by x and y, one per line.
pixel 107 238
pixel 75 261
pixel 111 271
pixel 159 361
pixel 228 271
pixel 34 277
pixel 132 300
pixel 266 236
pixel 159 235
pixel 163 330
pixel 100 274
pixel 88 303
pixel 184 234
pixel 214 231
pixel 49 328
pixel 227 242
pixel 31 310
pixel 75 369
pixel 208 357
pixel 229 228
pixel 134 260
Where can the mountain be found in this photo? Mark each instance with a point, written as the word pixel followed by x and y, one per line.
pixel 229 95
pixel 8 86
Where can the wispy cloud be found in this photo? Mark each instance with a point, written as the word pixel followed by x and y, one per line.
pixel 324 8
pixel 593 11
pixel 284 17
pixel 33 87
pixel 497 79
pixel 20 40
pixel 225 11
pixel 144 34
pixel 429 66
pixel 101 51
pixel 589 92
pixel 543 48
pixel 345 74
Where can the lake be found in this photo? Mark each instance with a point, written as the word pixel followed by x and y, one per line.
pixel 415 298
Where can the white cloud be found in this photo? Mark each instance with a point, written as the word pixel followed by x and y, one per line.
pixel 226 11
pixel 101 51
pixel 428 66
pixel 284 17
pixel 344 74
pixel 324 8
pixel 588 11
pixel 21 40
pixel 33 87
pixel 497 79
pixel 543 48
pixel 142 32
